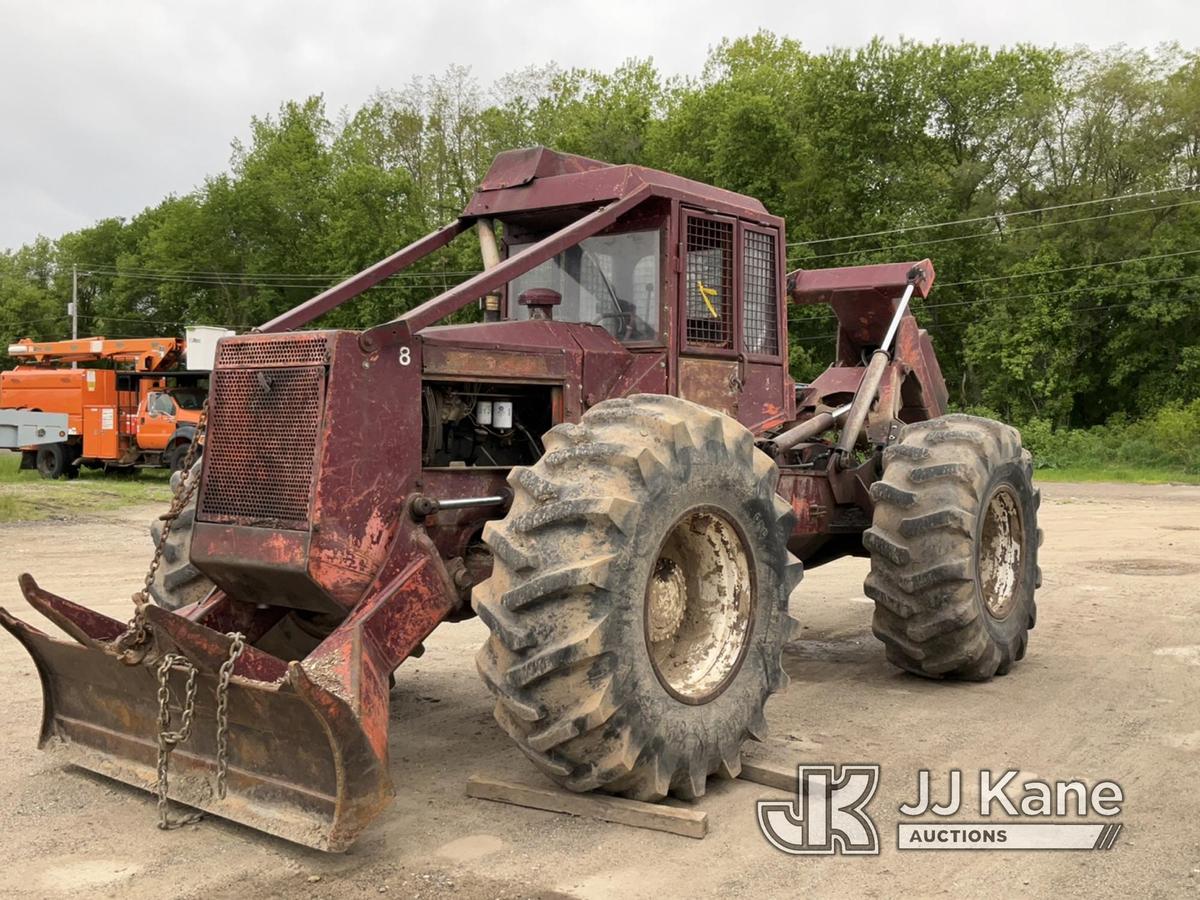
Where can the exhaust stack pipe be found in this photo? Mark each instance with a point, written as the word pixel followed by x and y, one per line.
pixel 491 258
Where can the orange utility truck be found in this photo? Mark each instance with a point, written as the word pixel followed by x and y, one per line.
pixel 140 411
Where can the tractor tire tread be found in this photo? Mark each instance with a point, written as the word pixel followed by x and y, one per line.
pixel 922 577
pixel 563 691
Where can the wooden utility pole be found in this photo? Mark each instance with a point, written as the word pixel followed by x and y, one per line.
pixel 74 310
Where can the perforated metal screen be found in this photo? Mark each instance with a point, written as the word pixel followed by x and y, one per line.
pixel 263 427
pixel 308 350
pixel 760 310
pixel 709 282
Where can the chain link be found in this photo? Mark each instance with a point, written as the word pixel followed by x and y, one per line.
pixel 137 631
pixel 137 634
pixel 168 738
pixel 183 495
pixel 235 650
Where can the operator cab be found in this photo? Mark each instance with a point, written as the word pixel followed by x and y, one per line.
pixel 610 280
pixel 692 273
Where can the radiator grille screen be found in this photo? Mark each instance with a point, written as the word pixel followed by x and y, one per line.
pixel 264 351
pixel 263 430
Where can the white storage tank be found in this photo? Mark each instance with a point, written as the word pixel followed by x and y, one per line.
pixel 201 352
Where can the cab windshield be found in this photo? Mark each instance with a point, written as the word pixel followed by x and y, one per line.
pixel 610 280
pixel 189 399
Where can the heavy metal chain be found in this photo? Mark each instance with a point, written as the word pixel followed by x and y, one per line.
pixel 168 738
pixel 235 650
pixel 137 634
pixel 182 496
pixel 137 631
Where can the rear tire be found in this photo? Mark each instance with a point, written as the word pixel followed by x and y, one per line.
pixel 52 460
pixel 953 549
pixel 177 583
pixel 176 456
pixel 638 600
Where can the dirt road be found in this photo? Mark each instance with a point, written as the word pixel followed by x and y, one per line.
pixel 1109 691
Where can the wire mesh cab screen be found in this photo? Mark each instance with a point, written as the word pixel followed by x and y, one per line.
pixel 709 288
pixel 731 289
pixel 760 293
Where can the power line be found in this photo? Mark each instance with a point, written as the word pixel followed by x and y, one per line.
pixel 993 217
pixel 118 271
pixel 1184 298
pixel 31 322
pixel 1111 262
pixel 999 299
pixel 213 282
pixel 1000 233
pixel 238 282
pixel 1037 272
pixel 1073 290
pixel 935 326
pixel 156 322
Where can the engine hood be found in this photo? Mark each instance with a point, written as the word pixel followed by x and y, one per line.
pixel 530 336
pixel 534 349
pixel 589 362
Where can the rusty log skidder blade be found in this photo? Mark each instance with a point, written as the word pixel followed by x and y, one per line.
pixel 613 469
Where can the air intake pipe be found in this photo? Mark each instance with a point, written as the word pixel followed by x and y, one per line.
pixel 491 258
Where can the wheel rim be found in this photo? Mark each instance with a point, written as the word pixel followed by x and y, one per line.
pixel 1001 539
pixel 699 606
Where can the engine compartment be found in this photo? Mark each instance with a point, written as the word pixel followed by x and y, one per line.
pixel 483 425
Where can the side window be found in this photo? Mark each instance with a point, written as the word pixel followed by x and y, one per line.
pixel 709 283
pixel 162 404
pixel 760 309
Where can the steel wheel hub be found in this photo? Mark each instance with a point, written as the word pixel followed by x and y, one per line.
pixel 1000 542
pixel 699 605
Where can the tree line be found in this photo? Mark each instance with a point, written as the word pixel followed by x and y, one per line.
pixel 1055 191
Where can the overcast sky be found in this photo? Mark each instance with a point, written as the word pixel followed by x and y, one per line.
pixel 109 105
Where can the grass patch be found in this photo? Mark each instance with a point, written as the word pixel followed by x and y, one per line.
pixel 12 509
pixel 1116 474
pixel 25 496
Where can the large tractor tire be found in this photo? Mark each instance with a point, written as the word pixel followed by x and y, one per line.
pixel 177 583
pixel 638 601
pixel 953 549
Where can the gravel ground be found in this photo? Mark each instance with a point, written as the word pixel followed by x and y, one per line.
pixel 1108 692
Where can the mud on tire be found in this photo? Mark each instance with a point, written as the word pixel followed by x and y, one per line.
pixel 953 548
pixel 177 582
pixel 630 650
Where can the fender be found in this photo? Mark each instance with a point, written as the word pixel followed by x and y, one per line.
pixel 182 433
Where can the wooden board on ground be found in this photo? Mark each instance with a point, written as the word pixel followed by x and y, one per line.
pixel 770 775
pixel 685 822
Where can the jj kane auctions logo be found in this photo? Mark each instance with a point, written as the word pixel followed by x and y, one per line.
pixel 829 814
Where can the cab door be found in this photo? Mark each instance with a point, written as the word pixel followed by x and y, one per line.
pixel 709 368
pixel 156 421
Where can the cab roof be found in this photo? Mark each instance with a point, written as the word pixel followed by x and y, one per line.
pixel 538 178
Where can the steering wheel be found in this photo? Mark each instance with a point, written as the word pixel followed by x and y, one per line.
pixel 624 318
pixel 624 330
